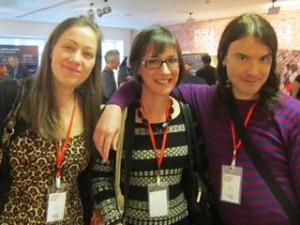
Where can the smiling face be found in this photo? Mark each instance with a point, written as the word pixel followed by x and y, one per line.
pixel 248 63
pixel 161 81
pixel 73 56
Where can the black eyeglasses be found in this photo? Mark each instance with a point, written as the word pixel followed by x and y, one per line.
pixel 152 64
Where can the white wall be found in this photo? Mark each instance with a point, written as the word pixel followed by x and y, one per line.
pixel 10 28
pixel 118 34
pixel 25 29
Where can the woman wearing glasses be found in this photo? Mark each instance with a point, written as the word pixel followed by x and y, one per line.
pixel 160 150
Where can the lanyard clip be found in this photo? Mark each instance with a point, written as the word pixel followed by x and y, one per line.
pixel 57 181
pixel 158 180
pixel 58 176
pixel 233 162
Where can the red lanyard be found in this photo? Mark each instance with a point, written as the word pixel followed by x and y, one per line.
pixel 159 157
pixel 237 143
pixel 60 150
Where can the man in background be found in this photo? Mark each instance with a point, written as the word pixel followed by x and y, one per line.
pixel 124 71
pixel 109 85
pixel 16 69
pixel 188 77
pixel 207 72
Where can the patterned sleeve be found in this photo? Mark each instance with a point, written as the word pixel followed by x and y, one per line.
pixel 103 190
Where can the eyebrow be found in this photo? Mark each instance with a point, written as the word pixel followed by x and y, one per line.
pixel 76 43
pixel 243 54
pixel 158 56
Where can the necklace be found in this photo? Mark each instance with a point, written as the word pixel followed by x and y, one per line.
pixel 168 113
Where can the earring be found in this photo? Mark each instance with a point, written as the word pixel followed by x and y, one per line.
pixel 227 84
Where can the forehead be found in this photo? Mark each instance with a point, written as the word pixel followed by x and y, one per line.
pixel 80 35
pixel 249 45
pixel 155 51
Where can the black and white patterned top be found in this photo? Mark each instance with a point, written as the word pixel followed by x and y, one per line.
pixel 143 173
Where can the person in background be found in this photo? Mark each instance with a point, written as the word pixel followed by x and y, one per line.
pixel 109 85
pixel 296 87
pixel 160 139
pixel 16 69
pixel 188 77
pixel 47 161
pixel 247 76
pixel 3 72
pixel 207 72
pixel 123 72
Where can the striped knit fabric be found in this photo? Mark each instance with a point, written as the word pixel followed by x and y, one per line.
pixel 143 173
pixel 278 142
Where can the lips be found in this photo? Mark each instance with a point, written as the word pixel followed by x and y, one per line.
pixel 163 81
pixel 72 69
pixel 249 80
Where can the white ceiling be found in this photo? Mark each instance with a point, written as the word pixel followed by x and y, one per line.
pixel 136 14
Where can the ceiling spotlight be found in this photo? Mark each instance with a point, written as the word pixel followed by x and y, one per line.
pixel 100 12
pixel 90 13
pixel 273 9
pixel 190 19
pixel 107 9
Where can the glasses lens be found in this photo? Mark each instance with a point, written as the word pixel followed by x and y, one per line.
pixel 173 62
pixel 157 63
pixel 153 63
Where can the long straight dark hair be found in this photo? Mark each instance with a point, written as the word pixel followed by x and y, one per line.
pixel 244 25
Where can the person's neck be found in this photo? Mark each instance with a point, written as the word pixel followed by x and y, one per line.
pixel 109 67
pixel 65 101
pixel 155 108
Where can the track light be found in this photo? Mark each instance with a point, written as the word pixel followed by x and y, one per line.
pixel 107 9
pixel 100 11
pixel 103 11
pixel 90 13
pixel 273 9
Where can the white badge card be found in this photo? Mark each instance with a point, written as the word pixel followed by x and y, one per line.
pixel 56 204
pixel 231 184
pixel 158 200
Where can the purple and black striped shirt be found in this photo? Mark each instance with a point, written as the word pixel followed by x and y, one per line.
pixel 278 142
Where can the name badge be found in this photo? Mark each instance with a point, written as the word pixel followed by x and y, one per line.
pixel 56 203
pixel 231 184
pixel 158 200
